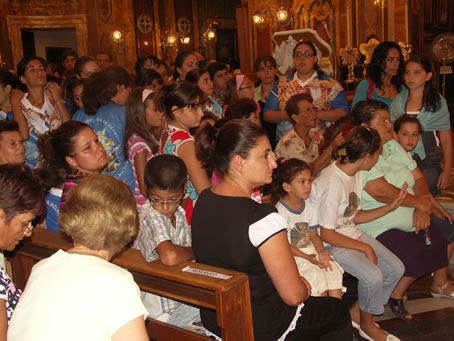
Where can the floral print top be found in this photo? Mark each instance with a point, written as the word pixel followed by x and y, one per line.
pixel 175 137
pixel 39 121
pixel 9 293
pixel 327 94
pixel 292 146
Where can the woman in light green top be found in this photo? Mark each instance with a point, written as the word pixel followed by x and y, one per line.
pixel 407 231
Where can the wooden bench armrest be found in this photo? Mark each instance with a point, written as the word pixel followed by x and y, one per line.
pixel 230 297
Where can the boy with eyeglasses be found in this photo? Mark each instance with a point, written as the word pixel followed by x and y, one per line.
pixel 164 232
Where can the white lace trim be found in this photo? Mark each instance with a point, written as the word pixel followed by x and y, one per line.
pixel 292 325
pixel 211 334
pixel 290 328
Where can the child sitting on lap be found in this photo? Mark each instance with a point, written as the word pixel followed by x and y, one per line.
pixel 292 186
pixel 164 232
pixel 408 129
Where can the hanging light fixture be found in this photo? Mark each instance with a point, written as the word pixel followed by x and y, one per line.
pixel 171 39
pixel 185 40
pixel 270 13
pixel 210 34
pixel 258 18
pixel 282 14
pixel 116 35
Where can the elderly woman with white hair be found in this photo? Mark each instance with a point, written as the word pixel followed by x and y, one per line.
pixel 78 294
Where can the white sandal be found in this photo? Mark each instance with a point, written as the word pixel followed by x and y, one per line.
pixel 356 325
pixel 389 337
pixel 440 291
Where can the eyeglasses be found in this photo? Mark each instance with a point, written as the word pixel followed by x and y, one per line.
pixel 26 226
pixel 172 203
pixel 305 54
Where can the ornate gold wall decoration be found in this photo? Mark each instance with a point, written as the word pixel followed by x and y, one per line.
pixel 367 49
pixel 44 7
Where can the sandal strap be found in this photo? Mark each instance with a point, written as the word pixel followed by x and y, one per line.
pixel 440 289
pixel 398 308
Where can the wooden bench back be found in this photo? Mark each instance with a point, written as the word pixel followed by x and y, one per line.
pixel 229 297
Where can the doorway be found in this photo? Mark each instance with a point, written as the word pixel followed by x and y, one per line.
pixel 48 43
pixel 74 25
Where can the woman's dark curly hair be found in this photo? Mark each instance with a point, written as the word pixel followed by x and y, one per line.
pixel 55 146
pixel 377 65
pixel 285 172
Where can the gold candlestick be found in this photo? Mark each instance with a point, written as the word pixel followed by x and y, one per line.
pixel 349 58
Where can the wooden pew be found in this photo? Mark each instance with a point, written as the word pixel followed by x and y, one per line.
pixel 229 297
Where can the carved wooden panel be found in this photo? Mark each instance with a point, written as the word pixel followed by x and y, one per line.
pixel 44 7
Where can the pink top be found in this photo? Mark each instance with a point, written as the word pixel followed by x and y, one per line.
pixel 137 144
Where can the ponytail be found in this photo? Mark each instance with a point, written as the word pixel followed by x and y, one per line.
pixel 206 139
pixel 359 142
pixel 215 148
pixel 52 171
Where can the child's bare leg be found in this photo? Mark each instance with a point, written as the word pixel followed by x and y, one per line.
pixel 354 312
pixel 325 293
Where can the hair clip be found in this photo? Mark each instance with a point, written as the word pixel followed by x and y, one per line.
pixel 283 161
pixel 342 152
pixel 145 94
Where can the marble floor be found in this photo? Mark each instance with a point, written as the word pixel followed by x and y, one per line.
pixel 433 318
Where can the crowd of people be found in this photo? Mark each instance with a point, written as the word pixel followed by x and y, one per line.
pixel 177 163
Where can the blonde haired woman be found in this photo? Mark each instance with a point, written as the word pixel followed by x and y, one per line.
pixel 79 294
